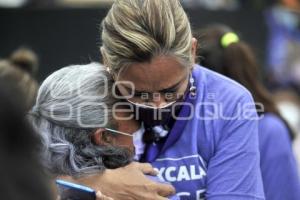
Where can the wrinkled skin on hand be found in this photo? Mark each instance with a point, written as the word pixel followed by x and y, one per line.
pixel 128 183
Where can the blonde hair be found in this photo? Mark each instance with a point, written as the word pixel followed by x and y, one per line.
pixel 138 30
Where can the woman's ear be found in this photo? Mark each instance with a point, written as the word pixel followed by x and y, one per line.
pixel 101 137
pixel 103 56
pixel 104 59
pixel 105 63
pixel 194 49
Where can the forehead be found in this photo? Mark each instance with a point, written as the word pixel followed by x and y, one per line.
pixel 162 72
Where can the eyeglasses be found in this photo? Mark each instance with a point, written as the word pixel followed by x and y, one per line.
pixel 147 99
pixel 143 105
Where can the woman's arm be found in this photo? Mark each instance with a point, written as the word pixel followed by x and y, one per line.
pixel 128 183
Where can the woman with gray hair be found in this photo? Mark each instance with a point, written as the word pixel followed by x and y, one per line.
pixel 73 112
pixel 84 132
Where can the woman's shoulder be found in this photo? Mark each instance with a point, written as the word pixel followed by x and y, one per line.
pixel 224 97
pixel 220 86
pixel 274 133
pixel 272 123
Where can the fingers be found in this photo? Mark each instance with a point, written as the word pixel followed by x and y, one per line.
pixel 165 190
pixel 101 196
pixel 161 198
pixel 146 168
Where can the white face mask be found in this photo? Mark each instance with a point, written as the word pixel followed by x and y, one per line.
pixel 138 143
pixel 137 138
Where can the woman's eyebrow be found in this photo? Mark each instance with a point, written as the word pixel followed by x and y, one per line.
pixel 161 91
pixel 135 91
pixel 175 86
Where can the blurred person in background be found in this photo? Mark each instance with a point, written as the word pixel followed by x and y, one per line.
pixel 20 69
pixel 22 176
pixel 283 62
pixel 12 3
pixel 222 51
pixel 213 4
pixel 288 104
pixel 21 171
pixel 85 135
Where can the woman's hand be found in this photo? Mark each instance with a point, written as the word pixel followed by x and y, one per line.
pixel 101 196
pixel 129 183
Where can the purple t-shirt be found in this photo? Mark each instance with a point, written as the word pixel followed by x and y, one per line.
pixel 278 165
pixel 217 155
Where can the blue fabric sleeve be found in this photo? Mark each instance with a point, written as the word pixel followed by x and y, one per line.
pixel 233 171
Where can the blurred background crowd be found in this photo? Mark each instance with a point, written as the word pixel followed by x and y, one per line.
pixel 207 4
pixel 63 32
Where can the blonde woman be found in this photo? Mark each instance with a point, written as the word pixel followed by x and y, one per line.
pixel 201 128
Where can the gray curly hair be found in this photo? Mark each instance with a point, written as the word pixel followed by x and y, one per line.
pixel 71 104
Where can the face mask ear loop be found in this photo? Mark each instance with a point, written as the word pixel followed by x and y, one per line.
pixel 118 132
